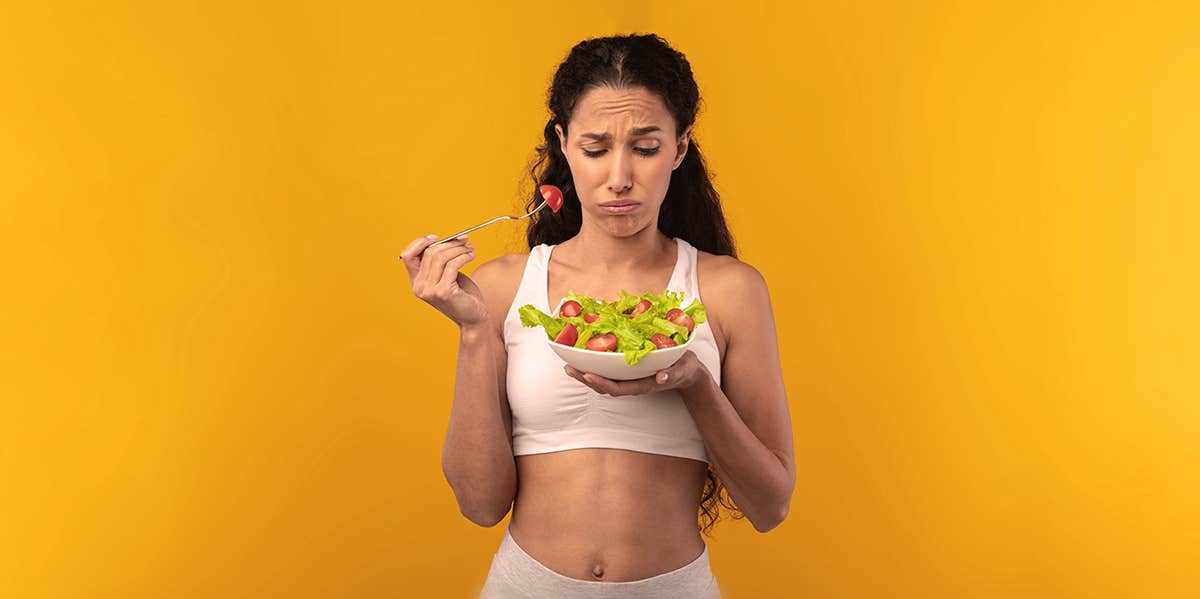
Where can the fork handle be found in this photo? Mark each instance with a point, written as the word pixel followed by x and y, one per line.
pixel 480 226
pixel 461 233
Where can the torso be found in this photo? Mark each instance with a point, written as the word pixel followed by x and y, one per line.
pixel 611 514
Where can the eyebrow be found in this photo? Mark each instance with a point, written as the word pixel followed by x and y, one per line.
pixel 635 131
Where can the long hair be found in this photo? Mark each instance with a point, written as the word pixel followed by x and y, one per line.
pixel 691 210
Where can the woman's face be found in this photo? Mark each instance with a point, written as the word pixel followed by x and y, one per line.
pixel 622 147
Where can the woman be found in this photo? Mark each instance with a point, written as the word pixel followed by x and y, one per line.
pixel 613 474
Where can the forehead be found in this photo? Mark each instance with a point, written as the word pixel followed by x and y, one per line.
pixel 619 110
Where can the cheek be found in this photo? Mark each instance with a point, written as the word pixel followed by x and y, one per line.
pixel 659 174
pixel 586 169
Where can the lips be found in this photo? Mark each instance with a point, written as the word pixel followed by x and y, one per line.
pixel 619 207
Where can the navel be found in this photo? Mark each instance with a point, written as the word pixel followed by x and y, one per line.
pixel 598 571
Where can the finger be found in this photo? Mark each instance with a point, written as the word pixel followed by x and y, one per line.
pixel 434 260
pixel 642 386
pixel 610 387
pixel 416 246
pixel 410 256
pixel 683 370
pixel 576 374
pixel 675 371
pixel 600 384
pixel 455 264
pixel 439 258
pixel 418 252
pixel 582 377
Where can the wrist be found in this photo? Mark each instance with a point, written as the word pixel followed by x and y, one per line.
pixel 700 385
pixel 473 331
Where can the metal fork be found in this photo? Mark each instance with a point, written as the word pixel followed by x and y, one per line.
pixel 494 220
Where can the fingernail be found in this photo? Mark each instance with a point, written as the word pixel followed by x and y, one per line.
pixel 431 236
pixel 662 378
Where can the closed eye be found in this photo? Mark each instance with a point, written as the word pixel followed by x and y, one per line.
pixel 642 151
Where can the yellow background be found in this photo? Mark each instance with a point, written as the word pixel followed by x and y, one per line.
pixel 978 223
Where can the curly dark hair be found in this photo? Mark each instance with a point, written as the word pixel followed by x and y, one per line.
pixel 691 210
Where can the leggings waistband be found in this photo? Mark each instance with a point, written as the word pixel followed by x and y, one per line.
pixel 524 576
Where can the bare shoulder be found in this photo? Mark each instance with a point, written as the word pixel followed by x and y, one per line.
pixel 498 279
pixel 732 289
pixel 729 277
pixel 501 268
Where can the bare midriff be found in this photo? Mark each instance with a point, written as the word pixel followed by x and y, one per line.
pixel 608 515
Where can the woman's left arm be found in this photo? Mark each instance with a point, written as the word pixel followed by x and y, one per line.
pixel 745 423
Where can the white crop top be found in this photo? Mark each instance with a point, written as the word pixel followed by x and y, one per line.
pixel 553 412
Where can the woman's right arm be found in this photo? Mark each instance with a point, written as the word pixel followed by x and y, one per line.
pixel 477 457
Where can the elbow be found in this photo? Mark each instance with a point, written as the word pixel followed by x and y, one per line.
pixel 763 524
pixel 773 518
pixel 484 501
pixel 483 509
pixel 768 522
pixel 484 517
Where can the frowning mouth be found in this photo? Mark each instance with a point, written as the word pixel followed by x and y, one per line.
pixel 619 206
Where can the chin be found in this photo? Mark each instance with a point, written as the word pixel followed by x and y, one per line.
pixel 625 227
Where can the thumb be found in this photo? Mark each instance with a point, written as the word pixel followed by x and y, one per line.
pixel 675 371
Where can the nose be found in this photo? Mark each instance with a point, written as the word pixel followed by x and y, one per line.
pixel 621 177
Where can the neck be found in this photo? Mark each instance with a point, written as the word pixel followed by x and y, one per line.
pixel 601 252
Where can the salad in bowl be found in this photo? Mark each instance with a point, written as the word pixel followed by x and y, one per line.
pixel 630 338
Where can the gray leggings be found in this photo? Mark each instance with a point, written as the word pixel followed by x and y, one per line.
pixel 516 575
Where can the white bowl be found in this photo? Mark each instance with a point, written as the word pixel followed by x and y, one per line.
pixel 612 365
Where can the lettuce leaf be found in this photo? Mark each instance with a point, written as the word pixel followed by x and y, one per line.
pixel 668 328
pixel 633 356
pixel 532 317
pixel 627 301
pixel 696 311
pixel 588 304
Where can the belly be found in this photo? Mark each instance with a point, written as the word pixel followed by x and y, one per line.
pixel 608 514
